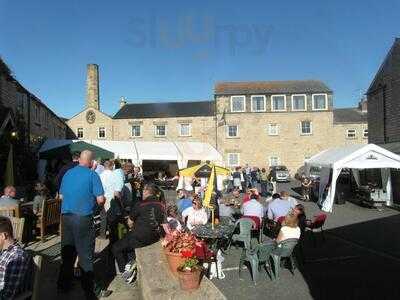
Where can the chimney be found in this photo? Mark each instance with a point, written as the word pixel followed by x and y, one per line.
pixel 92 86
pixel 363 105
pixel 122 102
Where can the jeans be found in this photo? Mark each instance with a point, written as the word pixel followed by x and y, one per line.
pixel 78 238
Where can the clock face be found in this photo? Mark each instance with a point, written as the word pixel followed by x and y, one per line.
pixel 90 117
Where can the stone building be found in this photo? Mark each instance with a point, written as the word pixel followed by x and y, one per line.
pixel 25 121
pixel 40 121
pixel 259 123
pixel 384 100
pixel 384 109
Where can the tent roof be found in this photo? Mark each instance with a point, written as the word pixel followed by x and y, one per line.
pixel 358 156
pixel 142 150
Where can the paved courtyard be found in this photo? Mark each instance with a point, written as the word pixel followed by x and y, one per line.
pixel 360 259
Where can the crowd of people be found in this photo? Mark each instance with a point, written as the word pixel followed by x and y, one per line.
pixel 131 213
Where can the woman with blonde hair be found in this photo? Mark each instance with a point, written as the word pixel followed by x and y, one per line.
pixel 290 228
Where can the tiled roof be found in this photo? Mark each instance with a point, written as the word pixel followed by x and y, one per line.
pixel 166 110
pixel 349 115
pixel 271 87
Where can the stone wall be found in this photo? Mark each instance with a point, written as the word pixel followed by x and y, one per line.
pixel 202 129
pixel 91 131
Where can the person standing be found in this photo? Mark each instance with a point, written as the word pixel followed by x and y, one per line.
pixel 264 182
pixel 80 190
pixel 65 168
pixel 112 190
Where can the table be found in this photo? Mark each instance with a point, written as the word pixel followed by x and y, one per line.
pixel 219 233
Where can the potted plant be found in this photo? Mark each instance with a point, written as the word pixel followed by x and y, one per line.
pixel 189 272
pixel 174 245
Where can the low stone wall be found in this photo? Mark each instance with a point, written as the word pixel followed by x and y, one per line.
pixel 157 282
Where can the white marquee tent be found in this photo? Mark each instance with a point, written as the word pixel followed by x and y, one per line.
pixel 138 151
pixel 355 157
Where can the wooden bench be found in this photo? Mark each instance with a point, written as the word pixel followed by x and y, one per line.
pixel 50 216
pixel 10 211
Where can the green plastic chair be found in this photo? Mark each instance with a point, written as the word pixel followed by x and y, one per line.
pixel 244 226
pixel 257 257
pixel 284 249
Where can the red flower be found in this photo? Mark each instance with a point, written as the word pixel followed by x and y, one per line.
pixel 187 253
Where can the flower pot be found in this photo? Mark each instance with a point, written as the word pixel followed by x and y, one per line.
pixel 189 280
pixel 174 261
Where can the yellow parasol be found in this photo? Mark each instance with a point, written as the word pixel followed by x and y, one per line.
pixel 206 170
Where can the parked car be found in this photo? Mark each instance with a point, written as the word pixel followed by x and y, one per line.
pixel 315 172
pixel 280 173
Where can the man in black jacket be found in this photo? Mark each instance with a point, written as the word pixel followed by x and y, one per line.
pixel 145 220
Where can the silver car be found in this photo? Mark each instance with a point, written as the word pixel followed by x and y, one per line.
pixel 280 173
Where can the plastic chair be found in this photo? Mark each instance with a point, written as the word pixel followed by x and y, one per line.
pixel 280 219
pixel 317 223
pixel 244 226
pixel 257 257
pixel 284 249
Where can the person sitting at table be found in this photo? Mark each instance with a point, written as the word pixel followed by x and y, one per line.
pixel 247 197
pixel 185 201
pixel 173 218
pixel 286 196
pixel 290 228
pixel 278 207
pixel 8 199
pixel 42 194
pixel 225 210
pixel 253 209
pixel 299 211
pixel 195 215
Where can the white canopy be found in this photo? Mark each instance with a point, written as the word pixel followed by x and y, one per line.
pixel 355 157
pixel 138 151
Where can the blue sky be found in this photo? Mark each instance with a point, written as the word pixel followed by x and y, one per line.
pixel 177 50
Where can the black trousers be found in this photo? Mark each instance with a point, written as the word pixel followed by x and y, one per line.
pixel 124 249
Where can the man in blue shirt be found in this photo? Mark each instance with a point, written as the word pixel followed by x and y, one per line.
pixel 184 201
pixel 80 189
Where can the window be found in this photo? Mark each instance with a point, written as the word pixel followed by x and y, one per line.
pixel 320 102
pixel 257 103
pixel 365 134
pixel 273 161
pixel 232 131
pixel 299 103
pixel 136 131
pixel 102 133
pixel 233 159
pixel 273 129
pixel 351 133
pixel 185 130
pixel 161 130
pixel 278 102
pixel 305 128
pixel 238 103
pixel 79 133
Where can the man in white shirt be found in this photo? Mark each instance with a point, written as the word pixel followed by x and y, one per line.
pixel 253 208
pixel 112 188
